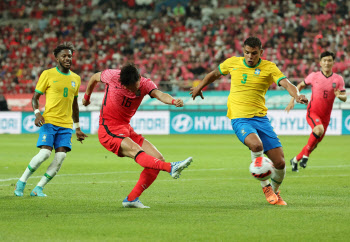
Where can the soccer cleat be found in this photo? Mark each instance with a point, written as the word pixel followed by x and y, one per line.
pixel 178 167
pixel 271 197
pixel 303 161
pixel 20 188
pixel 136 203
pixel 38 192
pixel 280 200
pixel 294 164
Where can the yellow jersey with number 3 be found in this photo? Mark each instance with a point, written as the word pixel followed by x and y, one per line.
pixel 249 86
pixel 59 89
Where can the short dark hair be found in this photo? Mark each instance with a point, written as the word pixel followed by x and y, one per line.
pixel 129 75
pixel 63 46
pixel 327 53
pixel 253 42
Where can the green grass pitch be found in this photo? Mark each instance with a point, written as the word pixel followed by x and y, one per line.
pixel 216 199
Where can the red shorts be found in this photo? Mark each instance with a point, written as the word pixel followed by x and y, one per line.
pixel 314 120
pixel 111 137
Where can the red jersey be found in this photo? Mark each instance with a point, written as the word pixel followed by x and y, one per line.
pixel 322 97
pixel 119 104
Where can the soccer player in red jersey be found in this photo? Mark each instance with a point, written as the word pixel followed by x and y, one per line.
pixel 326 85
pixel 124 92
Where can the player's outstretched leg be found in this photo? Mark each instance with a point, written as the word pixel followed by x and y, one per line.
pixel 294 164
pixel 38 192
pixel 136 203
pixel 178 167
pixel 20 188
pixel 270 195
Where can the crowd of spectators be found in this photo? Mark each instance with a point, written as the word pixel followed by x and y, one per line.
pixel 175 43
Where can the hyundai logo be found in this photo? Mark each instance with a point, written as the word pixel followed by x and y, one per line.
pixel 347 123
pixel 28 124
pixel 182 123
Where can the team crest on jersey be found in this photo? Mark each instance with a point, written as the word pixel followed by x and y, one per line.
pixel 257 71
pixel 73 84
pixel 44 138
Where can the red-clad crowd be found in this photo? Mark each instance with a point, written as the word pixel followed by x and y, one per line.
pixel 175 43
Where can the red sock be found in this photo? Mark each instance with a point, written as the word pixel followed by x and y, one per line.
pixel 148 161
pixel 147 177
pixel 312 142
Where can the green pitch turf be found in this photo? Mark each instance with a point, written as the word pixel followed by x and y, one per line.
pixel 216 199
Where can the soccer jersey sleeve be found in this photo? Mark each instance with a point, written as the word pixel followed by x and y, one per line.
pixel 78 87
pixel 309 78
pixel 276 74
pixel 340 84
pixel 148 85
pixel 43 83
pixel 224 67
pixel 110 76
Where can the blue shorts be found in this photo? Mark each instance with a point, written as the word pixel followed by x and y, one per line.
pixel 258 125
pixel 55 136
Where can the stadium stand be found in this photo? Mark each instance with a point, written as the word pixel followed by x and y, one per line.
pixel 173 42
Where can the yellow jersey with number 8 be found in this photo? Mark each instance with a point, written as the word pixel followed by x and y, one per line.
pixel 249 86
pixel 59 89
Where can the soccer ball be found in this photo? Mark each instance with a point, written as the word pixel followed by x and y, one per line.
pixel 261 168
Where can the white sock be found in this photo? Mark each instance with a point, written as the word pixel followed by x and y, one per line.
pixel 34 164
pixel 277 178
pixel 53 168
pixel 256 155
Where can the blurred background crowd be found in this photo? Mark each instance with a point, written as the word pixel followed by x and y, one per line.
pixel 173 42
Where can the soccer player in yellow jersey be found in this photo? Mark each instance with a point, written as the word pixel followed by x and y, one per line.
pixel 250 78
pixel 61 87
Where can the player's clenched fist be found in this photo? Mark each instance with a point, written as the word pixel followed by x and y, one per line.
pixel 178 103
pixel 301 99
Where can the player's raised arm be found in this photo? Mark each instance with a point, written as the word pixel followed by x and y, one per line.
pixel 95 78
pixel 293 91
pixel 166 98
pixel 209 78
pixel 300 87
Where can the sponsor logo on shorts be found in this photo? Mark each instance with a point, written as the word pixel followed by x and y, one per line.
pixel 243 132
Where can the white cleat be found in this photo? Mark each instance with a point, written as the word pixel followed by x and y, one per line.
pixel 133 204
pixel 178 167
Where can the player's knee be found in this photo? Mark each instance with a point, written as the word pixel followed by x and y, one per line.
pixel 44 154
pixel 279 163
pixel 256 147
pixel 319 130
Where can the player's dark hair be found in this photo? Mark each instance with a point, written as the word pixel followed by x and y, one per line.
pixel 327 53
pixel 129 75
pixel 253 42
pixel 63 46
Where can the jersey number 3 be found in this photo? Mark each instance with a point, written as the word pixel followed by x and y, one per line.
pixel 245 76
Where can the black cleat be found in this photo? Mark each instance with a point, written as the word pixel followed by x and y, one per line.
pixel 294 164
pixel 303 161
